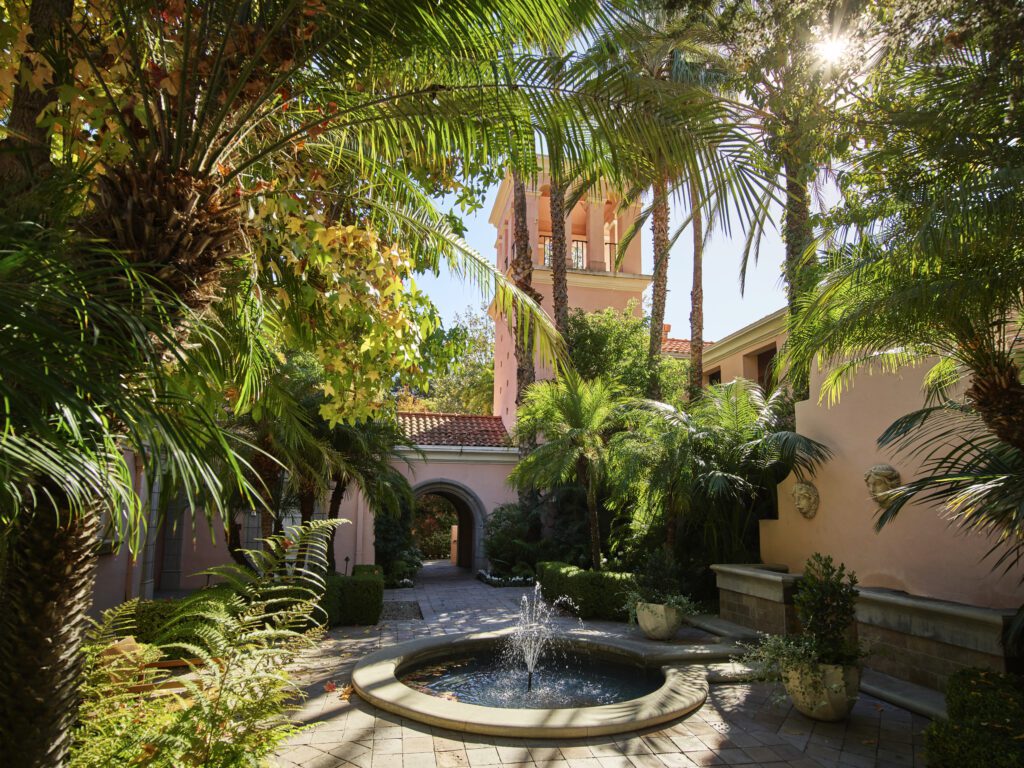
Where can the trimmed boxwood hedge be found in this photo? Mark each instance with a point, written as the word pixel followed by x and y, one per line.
pixel 367 570
pixel 596 594
pixel 985 728
pixel 354 600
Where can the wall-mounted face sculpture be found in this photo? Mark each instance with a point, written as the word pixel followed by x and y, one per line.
pixel 806 499
pixel 881 479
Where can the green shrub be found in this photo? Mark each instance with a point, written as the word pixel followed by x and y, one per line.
pixel 367 569
pixel 151 617
pixel 330 603
pixel 985 728
pixel 596 594
pixel 231 710
pixel 825 601
pixel 354 600
pixel 512 541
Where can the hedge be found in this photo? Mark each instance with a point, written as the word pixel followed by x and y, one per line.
pixel 596 594
pixel 354 600
pixel 985 728
pixel 371 570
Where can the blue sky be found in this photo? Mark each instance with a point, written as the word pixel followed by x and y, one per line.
pixel 725 310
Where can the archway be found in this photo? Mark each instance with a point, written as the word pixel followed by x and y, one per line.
pixel 470 512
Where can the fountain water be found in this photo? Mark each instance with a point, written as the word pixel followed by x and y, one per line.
pixel 535 630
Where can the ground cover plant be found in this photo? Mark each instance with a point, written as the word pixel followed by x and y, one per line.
pixel 231 707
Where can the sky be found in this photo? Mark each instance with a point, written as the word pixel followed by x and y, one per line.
pixel 725 309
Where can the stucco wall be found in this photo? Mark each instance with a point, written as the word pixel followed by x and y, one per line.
pixel 918 553
pixel 486 479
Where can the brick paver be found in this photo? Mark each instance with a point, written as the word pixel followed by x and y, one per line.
pixel 745 724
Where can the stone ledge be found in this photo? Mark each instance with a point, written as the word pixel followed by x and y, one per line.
pixel 956 624
pixel 768 582
pixel 916 698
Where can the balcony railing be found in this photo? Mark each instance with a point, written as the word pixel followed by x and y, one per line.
pixel 577 257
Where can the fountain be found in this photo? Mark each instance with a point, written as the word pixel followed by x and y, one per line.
pixel 576 684
pixel 535 630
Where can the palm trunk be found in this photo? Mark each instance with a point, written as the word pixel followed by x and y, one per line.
pixel 522 274
pixel 333 508
pixel 585 478
pixel 998 396
pixel 797 234
pixel 697 297
pixel 235 543
pixel 25 153
pixel 659 290
pixel 307 505
pixel 595 524
pixel 46 594
pixel 559 278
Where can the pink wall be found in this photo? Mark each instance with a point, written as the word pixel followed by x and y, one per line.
pixel 918 553
pixel 595 221
pixel 484 472
pixel 199 551
pixel 117 580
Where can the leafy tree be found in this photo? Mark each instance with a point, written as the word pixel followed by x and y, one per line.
pixel 576 419
pixel 468 385
pixel 613 345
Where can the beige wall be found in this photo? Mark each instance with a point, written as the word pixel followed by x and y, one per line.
pixel 735 356
pixel 918 553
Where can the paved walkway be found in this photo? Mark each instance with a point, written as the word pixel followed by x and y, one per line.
pixel 739 725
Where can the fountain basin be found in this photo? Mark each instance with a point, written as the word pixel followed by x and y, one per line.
pixel 376 678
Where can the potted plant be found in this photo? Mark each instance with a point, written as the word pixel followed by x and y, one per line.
pixel 656 604
pixel 819 667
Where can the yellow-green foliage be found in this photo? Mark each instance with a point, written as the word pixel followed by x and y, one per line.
pixel 231 707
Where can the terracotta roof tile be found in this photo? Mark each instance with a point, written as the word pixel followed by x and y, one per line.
pixel 454 429
pixel 679 346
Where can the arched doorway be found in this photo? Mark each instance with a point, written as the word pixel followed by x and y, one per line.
pixel 470 514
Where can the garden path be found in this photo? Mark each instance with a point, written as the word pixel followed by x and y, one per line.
pixel 739 725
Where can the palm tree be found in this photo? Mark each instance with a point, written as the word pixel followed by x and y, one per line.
pixel 366 454
pixel 672 58
pixel 576 419
pixel 224 102
pixel 742 451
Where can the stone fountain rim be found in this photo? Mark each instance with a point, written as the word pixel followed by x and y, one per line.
pixel 375 679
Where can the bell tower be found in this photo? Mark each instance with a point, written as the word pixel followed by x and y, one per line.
pixel 592 231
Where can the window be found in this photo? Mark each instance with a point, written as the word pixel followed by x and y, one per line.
pixel 579 254
pixel 545 249
pixel 715 377
pixel 765 374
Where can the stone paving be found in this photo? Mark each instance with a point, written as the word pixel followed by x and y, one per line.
pixel 740 724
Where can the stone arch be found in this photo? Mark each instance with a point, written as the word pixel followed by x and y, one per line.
pixel 472 515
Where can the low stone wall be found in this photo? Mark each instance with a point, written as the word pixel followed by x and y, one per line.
pixel 925 641
pixel 917 639
pixel 757 597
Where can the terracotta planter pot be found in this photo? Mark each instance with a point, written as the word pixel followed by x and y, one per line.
pixel 824 692
pixel 658 622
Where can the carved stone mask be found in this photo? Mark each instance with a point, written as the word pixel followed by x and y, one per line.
pixel 806 499
pixel 881 479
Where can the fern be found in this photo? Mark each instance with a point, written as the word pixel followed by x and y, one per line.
pixel 231 707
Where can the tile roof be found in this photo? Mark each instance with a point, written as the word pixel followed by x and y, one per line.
pixel 454 429
pixel 679 346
